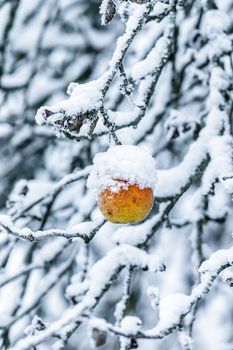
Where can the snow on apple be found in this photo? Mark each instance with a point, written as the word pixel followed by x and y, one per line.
pixel 125 177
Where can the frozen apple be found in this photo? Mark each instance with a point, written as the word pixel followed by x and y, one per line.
pixel 124 178
pixel 131 204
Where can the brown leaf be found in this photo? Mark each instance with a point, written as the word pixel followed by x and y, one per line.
pixel 99 337
pixel 109 13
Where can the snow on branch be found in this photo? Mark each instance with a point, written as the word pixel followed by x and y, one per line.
pixel 78 116
pixel 156 58
pixel 174 308
pixel 48 283
pixel 172 181
pixel 99 279
pixel 77 113
pixel 84 230
pixel 57 188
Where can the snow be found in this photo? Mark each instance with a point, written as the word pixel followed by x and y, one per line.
pixel 185 340
pixel 124 255
pixel 134 234
pixel 159 8
pixel 35 327
pixel 215 22
pixel 122 118
pixel 7 226
pixel 103 10
pixel 172 181
pixel 171 307
pixel 154 295
pixel 84 228
pixel 131 324
pixel 220 167
pixel 146 67
pixel 83 98
pixel 50 250
pixel 179 121
pixel 105 269
pixel 220 150
pixel 129 163
pixel 134 21
pixel 217 260
pixel 215 25
pixel 5 220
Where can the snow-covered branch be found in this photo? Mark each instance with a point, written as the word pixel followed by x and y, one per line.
pixel 84 230
pixel 99 279
pixel 175 307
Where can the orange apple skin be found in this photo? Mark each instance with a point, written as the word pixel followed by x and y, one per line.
pixel 127 205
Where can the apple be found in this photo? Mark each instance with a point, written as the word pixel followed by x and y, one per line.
pixel 128 204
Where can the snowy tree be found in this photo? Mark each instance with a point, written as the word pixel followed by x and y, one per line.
pixel 116 174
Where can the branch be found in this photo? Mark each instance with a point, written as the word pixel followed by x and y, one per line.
pixel 210 269
pixel 98 281
pixel 58 187
pixel 85 231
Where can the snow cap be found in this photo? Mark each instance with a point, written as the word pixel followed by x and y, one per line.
pixel 128 163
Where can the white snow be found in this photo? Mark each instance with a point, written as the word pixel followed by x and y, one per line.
pixel 216 261
pixel 83 98
pixel 129 163
pixel 171 308
pixel 85 228
pixel 171 181
pixel 215 22
pixel 34 327
pixel 124 255
pixel 221 166
pixel 131 27
pixel 131 324
pixel 6 225
pixel 147 66
pixel 134 234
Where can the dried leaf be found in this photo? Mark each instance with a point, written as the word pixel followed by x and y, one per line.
pixel 107 10
pixel 99 337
